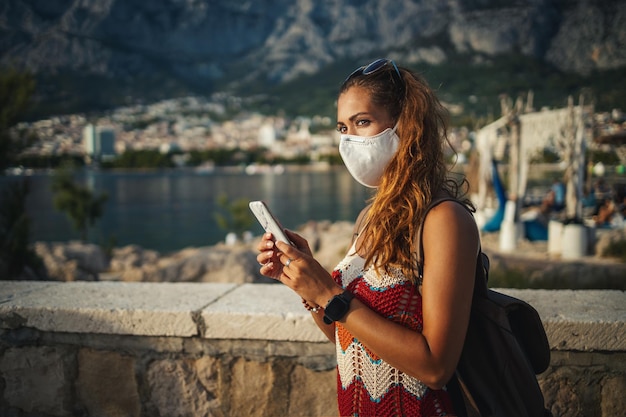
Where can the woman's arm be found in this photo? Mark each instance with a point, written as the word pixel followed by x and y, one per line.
pixel 451 244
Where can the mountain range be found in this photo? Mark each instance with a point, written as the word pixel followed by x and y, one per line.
pixel 96 52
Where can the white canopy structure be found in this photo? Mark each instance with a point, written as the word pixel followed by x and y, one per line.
pixel 525 133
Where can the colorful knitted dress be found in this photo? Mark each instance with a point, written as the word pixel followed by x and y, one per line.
pixel 367 385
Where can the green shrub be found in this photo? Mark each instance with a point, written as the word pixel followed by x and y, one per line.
pixel 507 278
pixel 233 216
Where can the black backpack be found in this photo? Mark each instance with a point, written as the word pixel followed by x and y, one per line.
pixel 505 348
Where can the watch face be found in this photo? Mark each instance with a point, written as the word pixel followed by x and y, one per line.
pixel 336 308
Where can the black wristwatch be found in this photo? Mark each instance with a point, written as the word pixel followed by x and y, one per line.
pixel 337 307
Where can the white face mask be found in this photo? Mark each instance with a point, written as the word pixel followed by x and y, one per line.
pixel 367 157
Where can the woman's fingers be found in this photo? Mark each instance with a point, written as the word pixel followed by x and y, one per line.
pixel 290 251
pixel 292 265
pixel 301 243
pixel 269 257
pixel 265 257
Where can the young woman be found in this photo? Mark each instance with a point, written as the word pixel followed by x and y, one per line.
pixel 398 326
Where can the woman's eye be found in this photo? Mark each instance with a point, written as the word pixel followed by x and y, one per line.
pixel 342 129
pixel 362 122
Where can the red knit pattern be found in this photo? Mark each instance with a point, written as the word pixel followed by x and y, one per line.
pixel 355 401
pixel 402 303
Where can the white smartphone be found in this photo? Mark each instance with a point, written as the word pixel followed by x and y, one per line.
pixel 268 221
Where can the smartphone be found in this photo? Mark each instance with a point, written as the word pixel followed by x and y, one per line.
pixel 268 221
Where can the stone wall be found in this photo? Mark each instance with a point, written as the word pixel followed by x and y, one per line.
pixel 195 349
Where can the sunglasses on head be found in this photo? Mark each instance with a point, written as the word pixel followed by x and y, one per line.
pixel 373 67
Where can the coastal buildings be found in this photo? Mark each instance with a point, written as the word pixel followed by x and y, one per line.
pixel 184 124
pixel 99 142
pixel 205 123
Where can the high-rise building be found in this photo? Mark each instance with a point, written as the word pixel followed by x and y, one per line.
pixel 99 142
pixel 89 140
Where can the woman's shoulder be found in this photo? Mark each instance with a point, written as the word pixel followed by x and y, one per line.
pixel 449 225
pixel 450 210
pixel 451 218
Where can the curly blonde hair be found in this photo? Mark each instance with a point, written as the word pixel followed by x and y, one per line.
pixel 415 175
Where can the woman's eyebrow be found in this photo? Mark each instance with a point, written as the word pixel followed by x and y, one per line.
pixel 359 114
pixel 355 116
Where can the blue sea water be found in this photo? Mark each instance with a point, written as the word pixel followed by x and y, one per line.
pixel 173 209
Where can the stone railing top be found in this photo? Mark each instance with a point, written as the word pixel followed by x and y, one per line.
pixel 574 319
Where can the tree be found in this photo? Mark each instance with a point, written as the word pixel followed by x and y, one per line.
pixel 15 253
pixel 16 90
pixel 82 207
pixel 233 216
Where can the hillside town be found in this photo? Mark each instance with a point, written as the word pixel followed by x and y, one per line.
pixel 192 123
pixel 183 125
pixel 186 124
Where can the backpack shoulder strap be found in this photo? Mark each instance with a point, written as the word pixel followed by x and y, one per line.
pixel 420 249
pixel 459 395
pixel 482 263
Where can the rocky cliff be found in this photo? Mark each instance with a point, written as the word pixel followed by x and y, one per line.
pixel 231 43
pixel 281 39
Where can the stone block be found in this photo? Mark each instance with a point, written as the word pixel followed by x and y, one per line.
pixel 561 393
pixel 165 309
pixel 106 384
pixel 313 393
pixel 613 402
pixel 35 380
pixel 257 390
pixel 261 311
pixel 176 390
pixel 15 290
